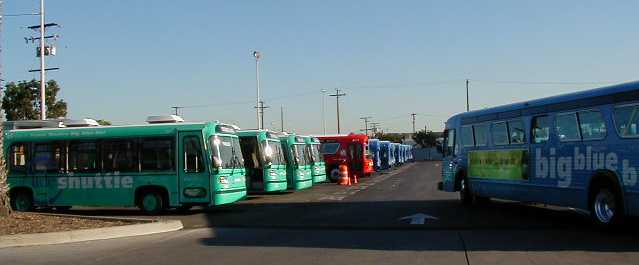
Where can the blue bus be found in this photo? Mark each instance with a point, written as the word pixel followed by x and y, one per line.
pixel 577 150
pixel 374 148
pixel 385 154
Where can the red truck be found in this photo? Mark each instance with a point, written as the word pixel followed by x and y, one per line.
pixel 350 150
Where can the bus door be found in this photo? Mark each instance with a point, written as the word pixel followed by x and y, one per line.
pixel 449 161
pixel 194 180
pixel 356 156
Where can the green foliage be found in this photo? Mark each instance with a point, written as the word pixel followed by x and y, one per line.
pixel 104 122
pixel 392 137
pixel 21 100
pixel 425 138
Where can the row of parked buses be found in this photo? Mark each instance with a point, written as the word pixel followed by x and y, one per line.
pixel 167 163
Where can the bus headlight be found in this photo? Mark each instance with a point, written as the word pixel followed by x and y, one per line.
pixel 224 180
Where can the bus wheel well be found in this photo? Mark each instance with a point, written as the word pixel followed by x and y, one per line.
pixel 140 191
pixel 17 190
pixel 603 178
pixel 461 174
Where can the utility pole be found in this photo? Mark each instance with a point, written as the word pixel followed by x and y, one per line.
pixel 176 110
pixel 257 55
pixel 413 116
pixel 260 113
pixel 42 51
pixel 467 101
pixel 282 117
pixel 323 110
pixel 374 128
pixel 366 123
pixel 337 95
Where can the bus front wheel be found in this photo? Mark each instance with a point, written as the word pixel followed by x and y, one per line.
pixel 465 195
pixel 335 174
pixel 151 203
pixel 22 201
pixel 606 208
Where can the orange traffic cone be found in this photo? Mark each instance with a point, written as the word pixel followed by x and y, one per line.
pixel 343 176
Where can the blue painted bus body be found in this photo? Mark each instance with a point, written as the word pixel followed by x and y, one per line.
pixel 385 154
pixel 559 172
pixel 374 148
pixel 395 152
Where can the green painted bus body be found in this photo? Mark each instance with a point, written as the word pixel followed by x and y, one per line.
pixel 318 166
pixel 205 185
pixel 272 173
pixel 298 170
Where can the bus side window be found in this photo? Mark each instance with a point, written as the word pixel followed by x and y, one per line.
pixel 592 125
pixel 18 158
pixel 540 129
pixel 467 136
pixel 449 148
pixel 516 132
pixel 49 158
pixel 157 154
pixel 119 156
pixel 83 157
pixel 627 121
pixel 192 155
pixel 568 127
pixel 500 133
pixel 481 134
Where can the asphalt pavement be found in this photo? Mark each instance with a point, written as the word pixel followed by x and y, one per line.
pixel 393 217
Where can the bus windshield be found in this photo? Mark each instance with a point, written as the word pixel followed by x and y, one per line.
pixel 315 153
pixel 273 152
pixel 301 154
pixel 226 151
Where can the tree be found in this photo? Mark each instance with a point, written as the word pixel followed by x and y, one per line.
pixel 21 100
pixel 104 122
pixel 425 138
pixel 5 204
pixel 392 137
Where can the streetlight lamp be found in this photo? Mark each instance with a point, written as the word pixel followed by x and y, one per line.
pixel 323 110
pixel 257 55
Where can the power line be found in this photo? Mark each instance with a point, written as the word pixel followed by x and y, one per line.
pixel 366 123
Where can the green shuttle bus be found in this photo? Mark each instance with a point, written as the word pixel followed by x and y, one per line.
pixel 298 166
pixel 318 167
pixel 264 161
pixel 166 164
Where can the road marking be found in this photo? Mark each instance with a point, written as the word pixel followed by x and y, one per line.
pixel 419 218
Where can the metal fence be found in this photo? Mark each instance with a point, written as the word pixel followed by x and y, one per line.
pixel 427 154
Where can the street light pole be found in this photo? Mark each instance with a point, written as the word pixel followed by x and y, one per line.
pixel 257 55
pixel 467 101
pixel 323 110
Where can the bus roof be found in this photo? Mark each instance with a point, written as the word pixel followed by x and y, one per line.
pixel 598 96
pixel 359 136
pixel 106 131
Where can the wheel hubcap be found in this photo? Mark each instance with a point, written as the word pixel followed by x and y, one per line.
pixel 605 206
pixel 150 204
pixel 22 203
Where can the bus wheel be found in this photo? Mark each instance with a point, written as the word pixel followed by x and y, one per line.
pixel 22 201
pixel 62 208
pixel 465 195
pixel 151 203
pixel 335 174
pixel 606 208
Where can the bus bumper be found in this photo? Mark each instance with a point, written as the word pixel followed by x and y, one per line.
pixel 228 196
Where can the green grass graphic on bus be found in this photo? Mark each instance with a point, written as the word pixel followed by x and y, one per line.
pixel 498 164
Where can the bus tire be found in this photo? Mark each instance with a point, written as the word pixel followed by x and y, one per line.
pixel 465 194
pixel 334 174
pixel 21 200
pixel 606 205
pixel 151 202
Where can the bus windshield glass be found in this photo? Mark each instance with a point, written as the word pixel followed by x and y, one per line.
pixel 273 151
pixel 300 154
pixel 315 153
pixel 226 151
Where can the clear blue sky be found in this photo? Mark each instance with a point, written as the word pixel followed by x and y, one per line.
pixel 125 60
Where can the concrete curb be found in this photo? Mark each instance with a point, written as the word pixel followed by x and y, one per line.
pixel 89 234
